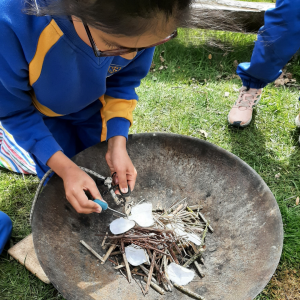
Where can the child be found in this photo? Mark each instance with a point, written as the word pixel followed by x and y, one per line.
pixel 278 40
pixel 67 81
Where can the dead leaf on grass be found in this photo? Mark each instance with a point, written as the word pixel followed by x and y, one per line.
pixel 209 56
pixel 286 79
pixel 279 82
pixel 204 133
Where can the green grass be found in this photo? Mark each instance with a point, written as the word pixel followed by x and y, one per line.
pixel 186 98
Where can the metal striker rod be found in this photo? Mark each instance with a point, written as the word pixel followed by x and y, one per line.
pixel 117 212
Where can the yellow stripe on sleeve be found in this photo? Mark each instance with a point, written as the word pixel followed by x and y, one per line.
pixel 119 108
pixel 104 128
pixel 49 36
pixel 115 108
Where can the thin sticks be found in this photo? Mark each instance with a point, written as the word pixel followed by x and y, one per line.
pixel 150 272
pixel 126 262
pixel 205 221
pixel 175 204
pixel 104 239
pixel 154 285
pixel 140 286
pixel 146 271
pixel 173 255
pixel 177 209
pixel 92 250
pixel 168 240
pixel 199 269
pixel 109 251
pixel 192 259
pixel 188 292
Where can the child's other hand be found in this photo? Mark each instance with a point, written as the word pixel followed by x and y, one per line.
pixel 119 161
pixel 76 182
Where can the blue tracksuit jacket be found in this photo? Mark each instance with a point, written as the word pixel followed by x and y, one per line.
pixel 54 93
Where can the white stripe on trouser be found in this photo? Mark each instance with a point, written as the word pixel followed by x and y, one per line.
pixel 12 156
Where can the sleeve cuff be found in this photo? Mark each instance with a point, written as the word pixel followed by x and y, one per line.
pixel 45 148
pixel 117 126
pixel 248 80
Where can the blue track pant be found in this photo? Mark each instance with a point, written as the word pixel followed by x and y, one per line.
pixel 5 229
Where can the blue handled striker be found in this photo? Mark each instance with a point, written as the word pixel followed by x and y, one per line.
pixel 105 206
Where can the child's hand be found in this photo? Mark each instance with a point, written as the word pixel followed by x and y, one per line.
pixel 76 182
pixel 118 161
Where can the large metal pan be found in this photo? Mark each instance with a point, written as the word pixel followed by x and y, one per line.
pixel 242 253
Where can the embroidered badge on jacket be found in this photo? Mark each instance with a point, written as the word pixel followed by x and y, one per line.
pixel 113 69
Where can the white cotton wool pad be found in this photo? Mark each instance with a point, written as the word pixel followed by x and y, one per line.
pixel 178 229
pixel 142 214
pixel 121 225
pixel 179 274
pixel 136 255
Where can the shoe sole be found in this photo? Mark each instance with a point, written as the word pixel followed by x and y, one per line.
pixel 238 123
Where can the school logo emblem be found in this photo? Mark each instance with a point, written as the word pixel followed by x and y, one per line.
pixel 113 69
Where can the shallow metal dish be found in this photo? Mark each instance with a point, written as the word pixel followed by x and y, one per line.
pixel 242 253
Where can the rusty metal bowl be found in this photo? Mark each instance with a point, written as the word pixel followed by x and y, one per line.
pixel 242 253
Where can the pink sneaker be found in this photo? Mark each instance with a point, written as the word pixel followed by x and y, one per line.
pixel 240 114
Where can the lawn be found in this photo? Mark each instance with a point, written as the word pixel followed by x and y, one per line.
pixel 185 94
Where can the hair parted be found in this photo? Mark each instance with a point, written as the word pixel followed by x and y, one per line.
pixel 122 17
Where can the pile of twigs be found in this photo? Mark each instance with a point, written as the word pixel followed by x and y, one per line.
pixel 163 244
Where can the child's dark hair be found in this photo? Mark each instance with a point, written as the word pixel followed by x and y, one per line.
pixel 125 17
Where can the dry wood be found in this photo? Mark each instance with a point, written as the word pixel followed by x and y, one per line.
pixel 140 286
pixel 198 267
pixel 194 248
pixel 173 255
pixel 104 239
pixel 176 203
pixel 119 267
pixel 165 263
pixel 112 261
pixel 150 272
pixel 146 271
pixel 154 285
pixel 162 244
pixel 161 276
pixel 158 275
pixel 195 207
pixel 115 253
pixel 188 292
pixel 109 251
pixel 205 221
pixel 140 274
pixel 177 209
pixel 92 250
pixel 127 267
pixel 148 247
pixel 192 259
